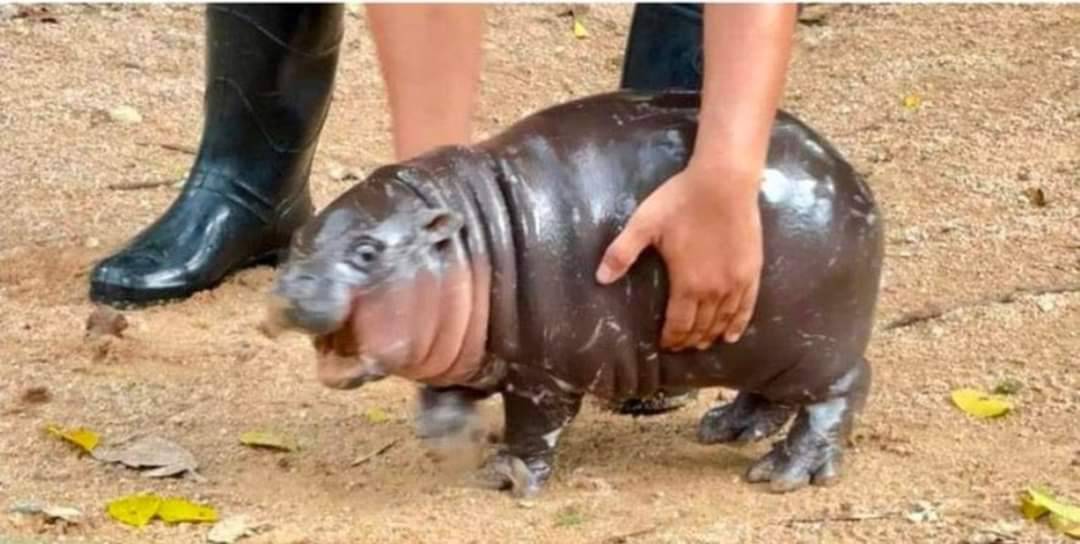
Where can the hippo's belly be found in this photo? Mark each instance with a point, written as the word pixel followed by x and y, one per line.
pixel 570 188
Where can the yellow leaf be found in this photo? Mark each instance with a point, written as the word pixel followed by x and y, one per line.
pixel 376 415
pixel 176 510
pixel 579 30
pixel 269 439
pixel 1030 509
pixel 912 101
pixel 1044 499
pixel 84 438
pixel 1064 526
pixel 134 510
pixel 980 404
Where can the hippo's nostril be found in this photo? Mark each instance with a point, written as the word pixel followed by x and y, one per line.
pixel 306 282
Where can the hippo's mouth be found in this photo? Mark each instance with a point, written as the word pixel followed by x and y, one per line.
pixel 341 364
pixel 341 343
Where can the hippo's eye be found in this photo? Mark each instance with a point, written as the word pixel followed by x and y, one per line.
pixel 365 253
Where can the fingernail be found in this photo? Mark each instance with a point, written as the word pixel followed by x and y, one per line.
pixel 732 338
pixel 702 346
pixel 603 274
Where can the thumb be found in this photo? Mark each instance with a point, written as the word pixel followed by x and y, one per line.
pixel 622 253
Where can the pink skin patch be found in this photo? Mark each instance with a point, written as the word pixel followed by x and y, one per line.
pixel 428 327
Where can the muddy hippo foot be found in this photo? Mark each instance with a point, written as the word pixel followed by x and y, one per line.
pixel 748 418
pixel 523 478
pixel 810 454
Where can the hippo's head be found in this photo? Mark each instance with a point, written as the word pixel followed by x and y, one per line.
pixel 366 278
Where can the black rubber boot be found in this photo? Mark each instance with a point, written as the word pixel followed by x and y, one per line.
pixel 663 51
pixel 664 48
pixel 270 74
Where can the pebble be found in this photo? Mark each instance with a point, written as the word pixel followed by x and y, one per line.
pixel 922 512
pixel 125 115
pixel 229 530
pixel 1046 303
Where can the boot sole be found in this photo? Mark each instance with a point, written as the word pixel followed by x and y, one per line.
pixel 130 298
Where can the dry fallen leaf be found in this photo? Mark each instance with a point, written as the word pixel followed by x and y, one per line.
pixel 134 510
pixel 178 510
pixel 579 29
pixel 166 457
pixel 1036 196
pixel 912 101
pixel 84 438
pixel 980 404
pixel 269 439
pixel 376 415
pixel 1064 518
pixel 36 395
pixel 50 511
pixel 138 510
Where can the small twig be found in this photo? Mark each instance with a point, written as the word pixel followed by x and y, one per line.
pixel 849 519
pixel 621 539
pixel 172 147
pixel 936 311
pixel 386 447
pixel 141 185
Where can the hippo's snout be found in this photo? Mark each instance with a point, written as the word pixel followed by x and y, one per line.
pixel 308 302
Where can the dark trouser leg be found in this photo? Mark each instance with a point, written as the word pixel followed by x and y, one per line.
pixel 270 74
pixel 663 51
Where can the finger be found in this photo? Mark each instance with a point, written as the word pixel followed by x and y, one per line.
pixel 701 336
pixel 726 312
pixel 679 321
pixel 623 252
pixel 743 315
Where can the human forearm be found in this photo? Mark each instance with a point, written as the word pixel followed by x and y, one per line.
pixel 747 49
pixel 430 56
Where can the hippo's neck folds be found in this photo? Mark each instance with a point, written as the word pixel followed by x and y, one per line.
pixel 479 262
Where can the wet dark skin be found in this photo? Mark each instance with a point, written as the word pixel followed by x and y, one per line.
pixel 520 213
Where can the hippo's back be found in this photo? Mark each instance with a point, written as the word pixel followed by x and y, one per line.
pixel 572 175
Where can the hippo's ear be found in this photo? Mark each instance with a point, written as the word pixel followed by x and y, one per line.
pixel 438 225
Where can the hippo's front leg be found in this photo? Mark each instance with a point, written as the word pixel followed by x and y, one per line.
pixel 535 416
pixel 447 413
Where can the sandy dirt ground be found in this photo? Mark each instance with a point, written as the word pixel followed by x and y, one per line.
pixel 999 114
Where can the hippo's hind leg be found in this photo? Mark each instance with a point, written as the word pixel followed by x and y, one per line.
pixel 535 416
pixel 812 452
pixel 748 418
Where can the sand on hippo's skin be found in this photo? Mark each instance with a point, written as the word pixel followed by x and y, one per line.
pixel 1000 113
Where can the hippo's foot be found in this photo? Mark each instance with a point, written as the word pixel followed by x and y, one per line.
pixel 536 411
pixel 748 418
pixel 522 478
pixel 812 452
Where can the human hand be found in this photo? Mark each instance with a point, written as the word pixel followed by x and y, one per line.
pixel 706 225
